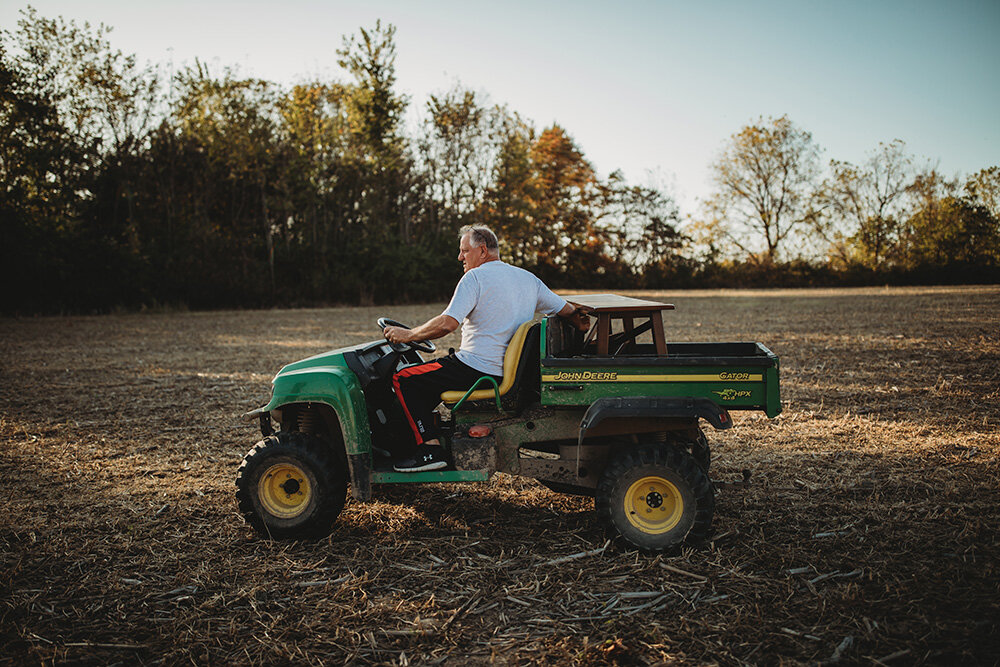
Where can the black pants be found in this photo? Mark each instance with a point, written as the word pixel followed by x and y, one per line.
pixel 419 389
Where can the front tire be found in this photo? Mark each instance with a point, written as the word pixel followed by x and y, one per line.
pixel 655 497
pixel 291 485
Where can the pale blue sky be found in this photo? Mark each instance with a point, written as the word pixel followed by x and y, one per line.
pixel 641 86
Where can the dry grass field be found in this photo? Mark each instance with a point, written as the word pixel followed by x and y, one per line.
pixel 868 533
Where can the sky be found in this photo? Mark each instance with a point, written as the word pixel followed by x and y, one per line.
pixel 654 88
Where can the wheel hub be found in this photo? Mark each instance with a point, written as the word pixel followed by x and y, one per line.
pixel 653 504
pixel 284 490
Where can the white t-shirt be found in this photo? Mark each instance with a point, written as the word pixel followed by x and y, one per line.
pixel 491 301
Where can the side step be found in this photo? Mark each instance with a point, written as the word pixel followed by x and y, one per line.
pixel 392 477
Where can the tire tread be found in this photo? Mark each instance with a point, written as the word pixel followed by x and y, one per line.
pixel 666 455
pixel 331 488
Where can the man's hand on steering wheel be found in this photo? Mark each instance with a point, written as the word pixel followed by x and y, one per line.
pixel 397 335
pixel 401 338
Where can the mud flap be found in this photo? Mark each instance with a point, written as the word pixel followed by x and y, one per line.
pixel 361 476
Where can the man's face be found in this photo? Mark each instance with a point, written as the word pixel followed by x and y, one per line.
pixel 471 257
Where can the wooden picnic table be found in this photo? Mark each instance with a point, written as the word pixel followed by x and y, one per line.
pixel 609 307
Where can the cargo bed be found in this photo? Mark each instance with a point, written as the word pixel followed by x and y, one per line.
pixel 736 375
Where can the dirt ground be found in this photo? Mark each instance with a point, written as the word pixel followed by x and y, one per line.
pixel 868 534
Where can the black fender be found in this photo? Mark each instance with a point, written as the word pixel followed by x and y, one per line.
pixel 654 406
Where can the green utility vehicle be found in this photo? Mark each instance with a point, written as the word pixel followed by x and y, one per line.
pixel 614 415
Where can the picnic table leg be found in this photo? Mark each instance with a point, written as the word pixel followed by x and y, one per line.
pixel 603 333
pixel 658 337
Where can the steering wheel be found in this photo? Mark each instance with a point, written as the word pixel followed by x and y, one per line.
pixel 422 345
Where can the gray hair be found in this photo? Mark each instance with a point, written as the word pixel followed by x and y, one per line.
pixel 481 235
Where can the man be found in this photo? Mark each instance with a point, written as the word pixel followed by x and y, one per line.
pixel 491 300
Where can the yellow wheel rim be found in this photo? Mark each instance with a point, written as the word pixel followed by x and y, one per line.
pixel 653 505
pixel 284 490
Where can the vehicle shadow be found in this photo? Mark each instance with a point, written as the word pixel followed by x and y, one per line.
pixel 514 509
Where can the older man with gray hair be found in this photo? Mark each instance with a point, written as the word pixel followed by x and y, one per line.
pixel 491 300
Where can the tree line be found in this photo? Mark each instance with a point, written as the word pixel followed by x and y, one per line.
pixel 124 188
pixel 888 216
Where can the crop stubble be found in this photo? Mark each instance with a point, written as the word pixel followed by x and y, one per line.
pixel 868 533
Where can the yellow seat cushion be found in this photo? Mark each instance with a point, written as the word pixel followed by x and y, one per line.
pixel 510 359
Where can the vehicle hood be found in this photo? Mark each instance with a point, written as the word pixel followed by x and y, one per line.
pixel 324 359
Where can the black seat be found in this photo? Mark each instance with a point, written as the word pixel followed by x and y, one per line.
pixel 562 339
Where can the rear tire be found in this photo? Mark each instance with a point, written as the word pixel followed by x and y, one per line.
pixel 655 497
pixel 291 485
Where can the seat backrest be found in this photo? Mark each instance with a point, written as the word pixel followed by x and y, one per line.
pixel 511 360
pixel 528 381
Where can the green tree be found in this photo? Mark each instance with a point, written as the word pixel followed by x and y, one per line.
pixel 314 126
pixel 100 94
pixel 458 153
pixel 645 235
pixel 100 104
pixel 947 229
pixel 564 198
pixel 508 203
pixel 238 201
pixel 983 189
pixel 764 180
pixel 374 108
pixel 954 232
pixel 386 256
pixel 864 207
pixel 39 176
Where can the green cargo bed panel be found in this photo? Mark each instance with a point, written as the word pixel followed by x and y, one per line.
pixel 740 376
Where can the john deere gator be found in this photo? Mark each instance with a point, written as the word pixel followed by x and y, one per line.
pixel 617 414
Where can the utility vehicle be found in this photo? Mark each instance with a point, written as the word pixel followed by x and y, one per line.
pixel 615 415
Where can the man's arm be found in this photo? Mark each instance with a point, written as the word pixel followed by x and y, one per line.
pixel 442 325
pixel 576 315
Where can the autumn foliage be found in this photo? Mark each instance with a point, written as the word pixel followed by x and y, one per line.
pixel 125 188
